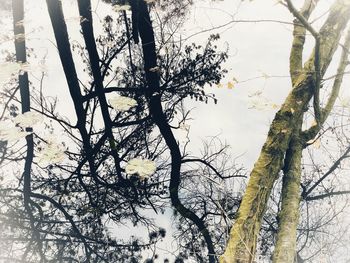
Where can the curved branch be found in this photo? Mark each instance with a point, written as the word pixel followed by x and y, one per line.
pixel 208 164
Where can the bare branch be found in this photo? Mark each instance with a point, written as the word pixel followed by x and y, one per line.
pixel 328 173
pixel 323 196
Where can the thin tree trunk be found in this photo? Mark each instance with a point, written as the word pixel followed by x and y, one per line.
pixel 299 33
pixel 21 57
pixel 23 82
pixel 285 248
pixel 241 247
pixel 65 53
pixel 289 214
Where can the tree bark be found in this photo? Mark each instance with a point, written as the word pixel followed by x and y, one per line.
pixel 285 248
pixel 299 32
pixel 241 247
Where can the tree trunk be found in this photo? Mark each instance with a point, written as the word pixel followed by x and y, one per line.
pixel 21 57
pixel 144 29
pixel 23 82
pixel 243 236
pixel 241 246
pixel 289 215
pixel 89 38
pixel 61 35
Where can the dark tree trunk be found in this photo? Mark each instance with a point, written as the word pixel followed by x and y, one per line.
pixel 88 34
pixel 63 46
pixel 21 57
pixel 146 33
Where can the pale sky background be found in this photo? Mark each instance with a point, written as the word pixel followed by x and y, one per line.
pixel 255 50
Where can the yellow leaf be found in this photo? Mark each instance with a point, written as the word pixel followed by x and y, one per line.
pixel 317 144
pixel 274 106
pixel 230 85
pixel 19 23
pixel 20 37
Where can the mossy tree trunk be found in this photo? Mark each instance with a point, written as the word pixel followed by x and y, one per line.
pixel 289 215
pixel 241 247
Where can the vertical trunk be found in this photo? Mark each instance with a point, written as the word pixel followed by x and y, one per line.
pixel 299 33
pixel 88 34
pixel 241 247
pixel 289 215
pixel 145 30
pixel 23 82
pixel 21 57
